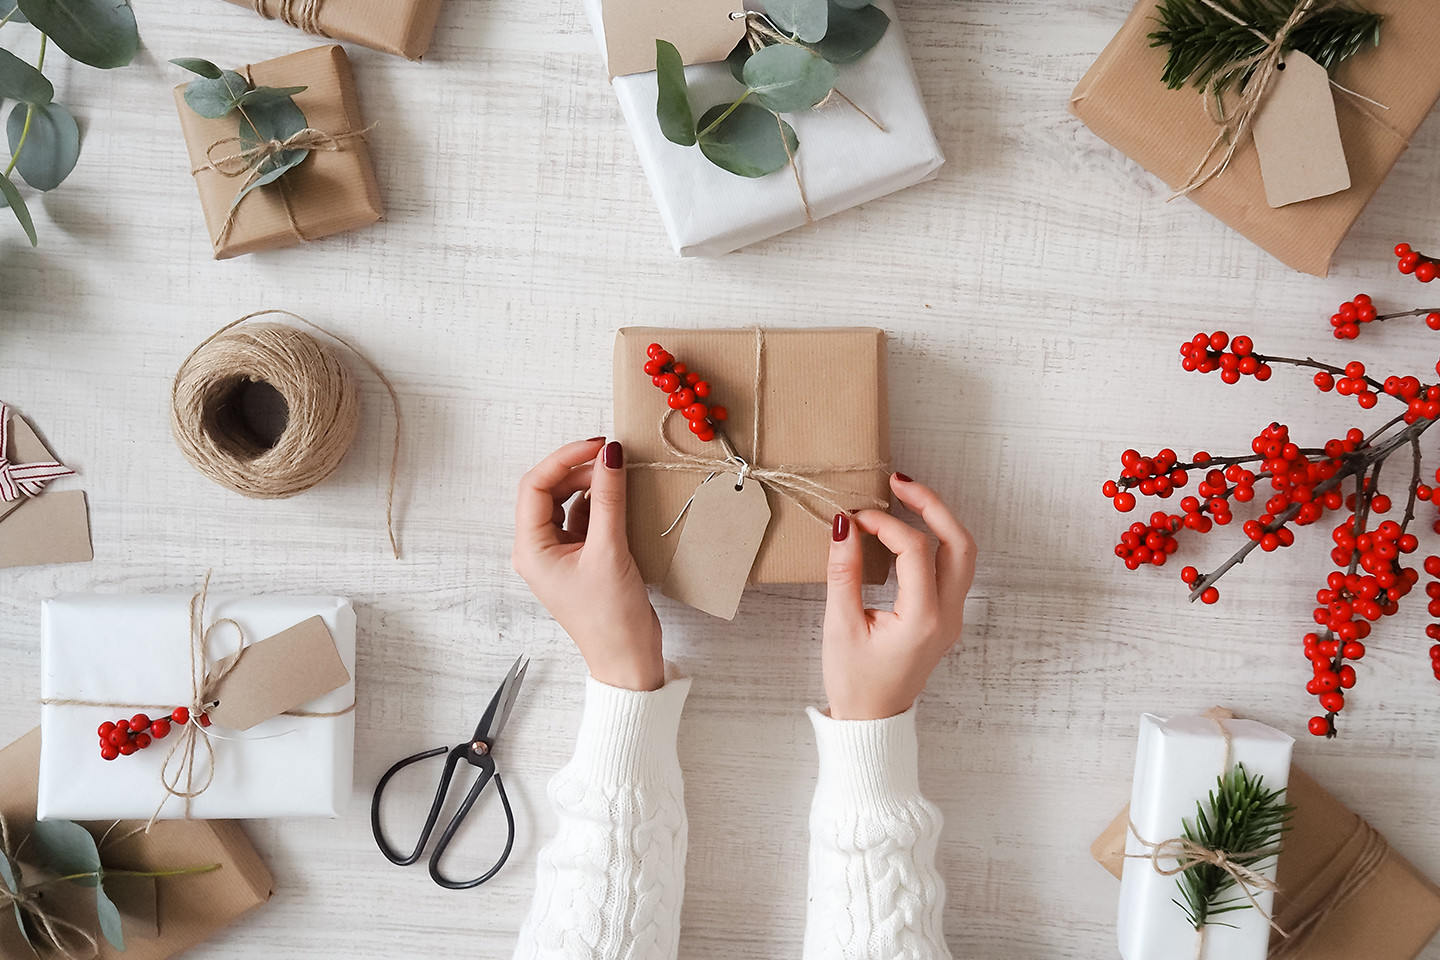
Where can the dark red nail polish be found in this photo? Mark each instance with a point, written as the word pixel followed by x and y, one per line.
pixel 841 529
pixel 593 439
pixel 902 478
pixel 614 455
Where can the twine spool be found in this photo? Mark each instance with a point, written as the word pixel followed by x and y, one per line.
pixel 240 369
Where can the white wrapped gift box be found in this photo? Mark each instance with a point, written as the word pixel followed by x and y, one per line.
pixel 1176 767
pixel 136 650
pixel 844 160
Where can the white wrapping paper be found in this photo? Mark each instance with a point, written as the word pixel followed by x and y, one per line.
pixel 1176 765
pixel 135 649
pixel 844 160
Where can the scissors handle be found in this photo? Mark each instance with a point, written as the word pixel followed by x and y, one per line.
pixel 487 773
pixel 391 854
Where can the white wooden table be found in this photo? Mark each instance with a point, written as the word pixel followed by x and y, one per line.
pixel 1036 294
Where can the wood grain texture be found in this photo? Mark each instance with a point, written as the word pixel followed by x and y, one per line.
pixel 1035 293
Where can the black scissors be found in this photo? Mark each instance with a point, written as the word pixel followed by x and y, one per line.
pixel 477 753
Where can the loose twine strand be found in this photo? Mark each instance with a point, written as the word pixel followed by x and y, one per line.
pixel 1374 852
pixel 28 905
pixel 304 14
pixel 789 480
pixel 323 402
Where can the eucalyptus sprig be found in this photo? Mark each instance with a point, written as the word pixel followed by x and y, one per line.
pixel 70 852
pixel 1244 821
pixel 1204 43
pixel 788 62
pixel 266 114
pixel 43 136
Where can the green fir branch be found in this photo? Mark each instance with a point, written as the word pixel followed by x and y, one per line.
pixel 1242 820
pixel 1205 44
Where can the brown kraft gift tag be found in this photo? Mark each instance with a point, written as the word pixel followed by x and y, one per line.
pixel 51 528
pixel 276 674
pixel 702 30
pixel 401 27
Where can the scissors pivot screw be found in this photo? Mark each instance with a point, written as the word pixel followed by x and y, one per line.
pixel 480 747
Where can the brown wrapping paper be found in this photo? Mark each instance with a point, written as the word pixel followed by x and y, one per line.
pixel 1122 99
pixel 1392 917
pixel 330 191
pixel 190 908
pixel 823 400
pixel 401 27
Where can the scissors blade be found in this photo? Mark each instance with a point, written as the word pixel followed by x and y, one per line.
pixel 498 711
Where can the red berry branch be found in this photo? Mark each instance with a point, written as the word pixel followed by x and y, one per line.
pixel 1342 476
pixel 686 391
pixel 124 737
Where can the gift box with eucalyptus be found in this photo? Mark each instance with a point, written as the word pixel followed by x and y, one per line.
pixel 116 906
pixel 220 707
pixel 785 448
pixel 277 150
pixel 401 27
pixel 1330 124
pixel 751 123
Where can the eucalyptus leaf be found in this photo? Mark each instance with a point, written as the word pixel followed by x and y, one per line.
pixel 12 11
pixel 215 98
pixel 748 142
pixel 804 19
pixel 20 81
pixel 787 78
pixel 276 120
pixel 109 914
pixel 10 875
pixel 849 5
pixel 51 146
pixel 672 106
pixel 16 203
pixel 852 33
pixel 273 174
pixel 204 68
pixel 262 95
pixel 68 849
pixel 737 58
pixel 101 33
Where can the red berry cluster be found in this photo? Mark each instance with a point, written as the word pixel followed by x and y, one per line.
pixel 1149 543
pixel 686 391
pixel 1346 321
pixel 1205 353
pixel 1155 476
pixel 124 737
pixel 1352 383
pixel 1413 261
pixel 1432 590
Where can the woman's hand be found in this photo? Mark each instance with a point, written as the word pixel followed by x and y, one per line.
pixel 579 564
pixel 876 662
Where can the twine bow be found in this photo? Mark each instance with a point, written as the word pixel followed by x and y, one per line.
pixel 24 479
pixel 794 482
pixel 28 904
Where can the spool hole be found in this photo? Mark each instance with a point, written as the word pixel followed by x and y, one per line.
pixel 246 418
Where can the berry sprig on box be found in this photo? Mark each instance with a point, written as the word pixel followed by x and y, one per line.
pixel 124 737
pixel 1308 484
pixel 687 392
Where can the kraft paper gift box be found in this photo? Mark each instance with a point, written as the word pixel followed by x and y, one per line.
pixel 805 421
pixel 328 192
pixel 187 909
pixel 401 27
pixel 1122 99
pixel 53 527
pixel 1177 764
pixel 1379 906
pixel 286 766
pixel 843 159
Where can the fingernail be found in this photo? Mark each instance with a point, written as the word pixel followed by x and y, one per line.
pixel 902 478
pixel 595 439
pixel 841 529
pixel 614 455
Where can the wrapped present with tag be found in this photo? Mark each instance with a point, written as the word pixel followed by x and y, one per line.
pixel 1281 119
pixel 750 123
pixel 278 150
pixel 1203 839
pixel 1343 892
pixel 401 27
pixel 212 876
pixel 220 706
pixel 736 473
pixel 37 526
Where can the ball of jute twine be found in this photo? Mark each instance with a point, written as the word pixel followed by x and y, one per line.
pixel 321 396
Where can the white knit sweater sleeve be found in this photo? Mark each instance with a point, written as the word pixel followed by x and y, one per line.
pixel 610 883
pixel 874 891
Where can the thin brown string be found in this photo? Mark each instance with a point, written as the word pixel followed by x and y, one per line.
pixel 304 14
pixel 28 905
pixel 791 481
pixel 324 409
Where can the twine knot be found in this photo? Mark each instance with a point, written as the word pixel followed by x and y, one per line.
pixel 24 479
pixel 25 904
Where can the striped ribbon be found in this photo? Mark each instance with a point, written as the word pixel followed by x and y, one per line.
pixel 24 479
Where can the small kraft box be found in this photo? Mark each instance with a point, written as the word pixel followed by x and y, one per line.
pixel 1388 90
pixel 331 190
pixel 401 27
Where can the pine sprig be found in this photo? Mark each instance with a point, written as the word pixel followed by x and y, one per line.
pixel 1204 43
pixel 1244 821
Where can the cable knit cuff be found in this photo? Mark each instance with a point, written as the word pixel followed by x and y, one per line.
pixel 629 735
pixel 870 765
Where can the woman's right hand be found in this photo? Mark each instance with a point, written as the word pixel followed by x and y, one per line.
pixel 578 563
